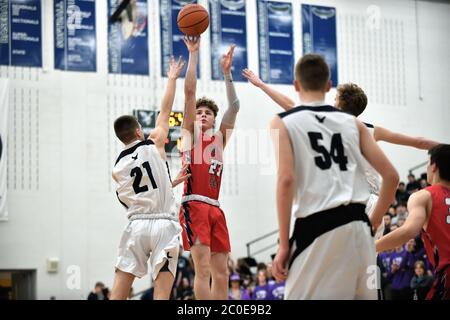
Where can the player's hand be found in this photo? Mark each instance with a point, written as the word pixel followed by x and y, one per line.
pixel 252 78
pixel 181 176
pixel 227 60
pixel 175 68
pixel 192 43
pixel 279 265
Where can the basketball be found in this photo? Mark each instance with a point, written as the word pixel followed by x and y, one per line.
pixel 193 19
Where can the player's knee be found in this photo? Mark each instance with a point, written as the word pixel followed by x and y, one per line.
pixel 221 276
pixel 203 271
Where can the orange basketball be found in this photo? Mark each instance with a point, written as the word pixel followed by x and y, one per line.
pixel 193 19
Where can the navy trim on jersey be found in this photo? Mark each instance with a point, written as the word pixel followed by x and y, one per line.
pixel 368 125
pixel 187 219
pixel 133 149
pixel 325 108
pixel 168 171
pixel 117 194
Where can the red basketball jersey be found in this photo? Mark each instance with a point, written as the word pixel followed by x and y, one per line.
pixel 437 236
pixel 206 166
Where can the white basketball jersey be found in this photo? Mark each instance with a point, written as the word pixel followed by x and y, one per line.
pixel 143 181
pixel 372 176
pixel 329 166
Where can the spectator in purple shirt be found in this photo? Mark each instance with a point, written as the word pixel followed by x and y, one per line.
pixel 277 290
pixel 401 271
pixel 237 292
pixel 262 290
pixel 384 263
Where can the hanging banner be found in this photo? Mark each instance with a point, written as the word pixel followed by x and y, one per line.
pixel 228 26
pixel 172 44
pixel 21 33
pixel 319 35
pixel 128 39
pixel 275 39
pixel 75 39
pixel 4 104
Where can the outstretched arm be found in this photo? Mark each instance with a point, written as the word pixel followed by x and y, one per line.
pixel 159 134
pixel 378 160
pixel 283 101
pixel 190 87
pixel 229 118
pixel 417 217
pixel 383 134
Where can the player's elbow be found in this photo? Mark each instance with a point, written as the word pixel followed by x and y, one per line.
pixel 189 92
pixel 391 175
pixel 286 181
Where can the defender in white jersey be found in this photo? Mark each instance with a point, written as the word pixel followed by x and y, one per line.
pixel 321 180
pixel 351 98
pixel 144 188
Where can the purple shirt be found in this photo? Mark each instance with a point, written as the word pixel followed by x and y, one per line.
pixel 244 295
pixel 262 293
pixel 401 279
pixel 277 291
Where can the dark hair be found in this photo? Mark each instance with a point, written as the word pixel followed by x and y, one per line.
pixel 125 128
pixel 99 284
pixel 401 183
pixel 312 72
pixel 210 104
pixel 352 99
pixel 440 155
pixel 388 214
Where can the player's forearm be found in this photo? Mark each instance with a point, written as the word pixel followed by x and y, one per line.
pixel 425 144
pixel 167 103
pixel 283 101
pixel 190 87
pixel 190 81
pixel 393 239
pixel 285 196
pixel 229 117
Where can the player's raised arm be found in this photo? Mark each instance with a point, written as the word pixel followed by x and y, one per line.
pixel 417 216
pixel 190 88
pixel 383 134
pixel 229 118
pixel 284 193
pixel 159 134
pixel 378 160
pixel 282 100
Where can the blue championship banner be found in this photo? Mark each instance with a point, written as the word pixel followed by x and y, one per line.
pixel 21 33
pixel 128 39
pixel 75 40
pixel 319 35
pixel 171 37
pixel 275 39
pixel 228 26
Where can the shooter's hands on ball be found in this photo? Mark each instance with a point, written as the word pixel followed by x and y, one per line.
pixel 252 78
pixel 279 265
pixel 227 60
pixel 175 68
pixel 192 43
pixel 181 176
